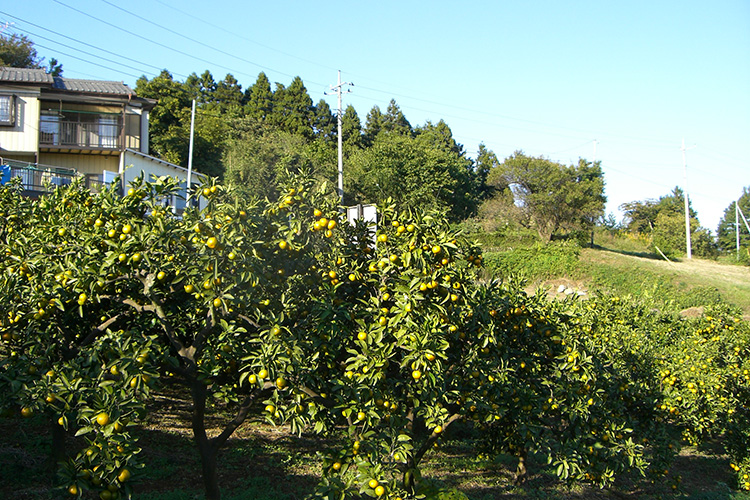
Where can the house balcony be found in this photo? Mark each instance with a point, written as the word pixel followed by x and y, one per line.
pixel 102 137
pixel 39 179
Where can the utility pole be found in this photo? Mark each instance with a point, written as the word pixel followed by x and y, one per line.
pixel 190 153
pixel 688 245
pixel 338 90
pixel 737 225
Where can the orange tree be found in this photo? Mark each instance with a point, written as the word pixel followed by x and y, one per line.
pixel 73 358
pixel 414 342
pixel 563 398
pixel 105 294
pixel 705 375
pixel 681 380
pixel 278 307
pixel 390 334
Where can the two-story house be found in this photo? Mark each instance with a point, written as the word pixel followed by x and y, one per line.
pixel 54 128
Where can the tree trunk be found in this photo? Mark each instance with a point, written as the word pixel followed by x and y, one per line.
pixel 58 444
pixel 521 469
pixel 209 455
pixel 207 449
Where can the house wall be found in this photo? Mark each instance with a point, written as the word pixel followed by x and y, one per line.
pixel 86 164
pixel 135 164
pixel 23 137
pixel 67 105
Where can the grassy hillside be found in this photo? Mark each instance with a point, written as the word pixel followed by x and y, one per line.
pixel 623 266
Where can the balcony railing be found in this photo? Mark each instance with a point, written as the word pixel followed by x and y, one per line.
pixel 38 179
pixel 98 135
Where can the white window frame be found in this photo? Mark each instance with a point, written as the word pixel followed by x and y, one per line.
pixel 7 111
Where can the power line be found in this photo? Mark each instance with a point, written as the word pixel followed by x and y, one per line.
pixel 148 39
pixel 221 28
pixel 79 50
pixel 460 117
pixel 662 142
pixel 164 28
pixel 82 43
pixel 87 61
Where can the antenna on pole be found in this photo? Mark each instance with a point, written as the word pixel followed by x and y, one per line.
pixel 688 245
pixel 4 26
pixel 595 143
pixel 337 89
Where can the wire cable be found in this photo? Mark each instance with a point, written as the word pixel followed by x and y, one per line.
pixel 82 43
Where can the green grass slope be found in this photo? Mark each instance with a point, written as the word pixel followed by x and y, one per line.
pixel 623 266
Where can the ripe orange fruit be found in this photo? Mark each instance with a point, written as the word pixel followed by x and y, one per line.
pixel 373 483
pixel 102 419
pixel 124 475
pixel 212 242
pixel 416 374
pixel 27 412
pixel 379 491
pixel 362 335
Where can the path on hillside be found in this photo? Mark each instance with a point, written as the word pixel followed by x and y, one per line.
pixel 733 282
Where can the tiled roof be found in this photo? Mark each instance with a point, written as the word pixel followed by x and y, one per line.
pixel 39 76
pixel 24 75
pixel 92 86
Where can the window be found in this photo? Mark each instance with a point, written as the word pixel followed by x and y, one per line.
pixel 7 110
pixel 49 128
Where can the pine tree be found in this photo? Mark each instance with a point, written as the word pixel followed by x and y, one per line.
pixel 325 123
pixel 259 99
pixel 351 128
pixel 373 126
pixel 395 121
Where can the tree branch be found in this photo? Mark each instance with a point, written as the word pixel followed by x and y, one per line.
pixel 241 415
pixel 432 438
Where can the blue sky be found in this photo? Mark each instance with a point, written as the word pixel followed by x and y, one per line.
pixel 625 81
